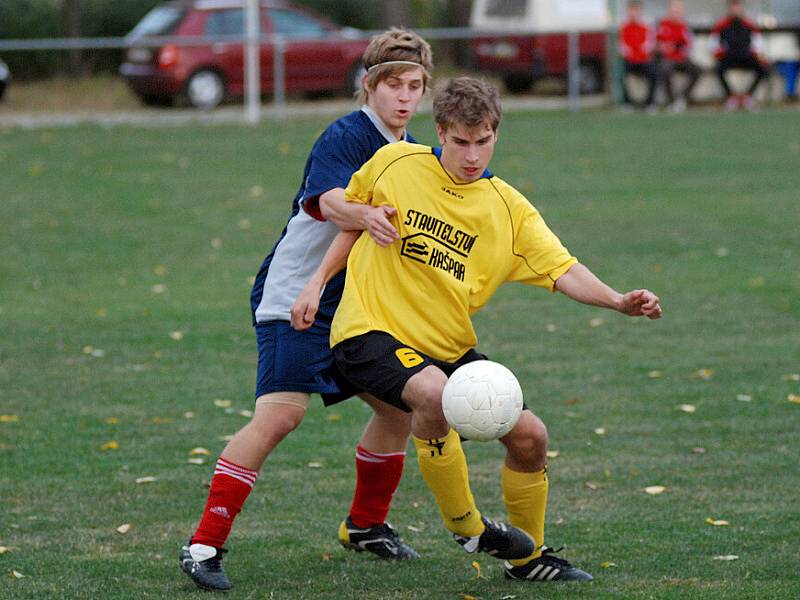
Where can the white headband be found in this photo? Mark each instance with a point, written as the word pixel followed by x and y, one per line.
pixel 395 62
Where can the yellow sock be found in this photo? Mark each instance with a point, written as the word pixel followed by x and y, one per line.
pixel 444 468
pixel 525 495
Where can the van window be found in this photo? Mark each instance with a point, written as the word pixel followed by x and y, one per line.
pixel 226 22
pixel 506 8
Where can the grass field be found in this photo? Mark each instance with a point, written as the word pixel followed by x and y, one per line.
pixel 125 267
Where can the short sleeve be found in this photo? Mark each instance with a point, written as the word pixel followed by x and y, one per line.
pixel 540 257
pixel 334 159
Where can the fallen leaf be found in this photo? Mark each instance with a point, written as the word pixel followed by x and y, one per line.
pixel 560 521
pixel 722 252
pixel 597 322
pixel 199 451
pixel 160 270
pixel 112 420
pixel 216 243
pixel 246 413
pixel 256 191
pixel 9 418
pixel 314 465
pixel 176 335
pixel 4 549
pixel 283 148
pixel 591 485
pixel 477 566
pixel 148 479
pixel 744 397
pixel 600 430
pixel 756 282
pixel 87 349
pixel 222 403
pixel 101 312
pixel 552 454
pixel 123 529
pixel 698 450
pixel 226 438
pixel 791 377
pixel 550 328
pixel 196 461
pixel 334 418
pixel 189 414
pixel 654 490
pixel 794 398
pixel 726 557
pixel 326 556
pixel 704 374
pixel 608 564
pixel 244 224
pixel 158 288
pixel 717 522
pixel 160 420
pixel 414 529
pixel 98 353
pixel 687 408
pixel 112 445
pixel 508 597
pixel 655 374
pixel 16 574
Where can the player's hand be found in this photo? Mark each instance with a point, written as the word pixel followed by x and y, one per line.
pixel 379 227
pixel 638 303
pixel 304 309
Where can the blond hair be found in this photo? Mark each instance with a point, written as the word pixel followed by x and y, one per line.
pixel 389 46
pixel 467 101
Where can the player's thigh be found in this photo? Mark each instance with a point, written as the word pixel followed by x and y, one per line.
pixel 293 361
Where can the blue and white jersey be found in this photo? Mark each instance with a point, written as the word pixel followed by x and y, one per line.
pixel 339 152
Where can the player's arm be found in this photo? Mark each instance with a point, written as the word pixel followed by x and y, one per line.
pixel 349 216
pixel 304 309
pixel 580 284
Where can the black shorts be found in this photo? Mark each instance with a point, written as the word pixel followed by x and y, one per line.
pixel 381 365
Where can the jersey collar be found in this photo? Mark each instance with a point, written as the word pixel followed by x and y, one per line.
pixel 487 174
pixel 380 126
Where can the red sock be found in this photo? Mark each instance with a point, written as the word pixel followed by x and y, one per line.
pixel 230 487
pixel 377 478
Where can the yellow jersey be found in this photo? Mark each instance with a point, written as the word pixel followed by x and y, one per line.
pixel 458 243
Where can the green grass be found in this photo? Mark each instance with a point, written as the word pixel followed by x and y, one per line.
pixel 702 208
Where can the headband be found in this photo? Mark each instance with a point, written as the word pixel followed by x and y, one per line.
pixel 396 62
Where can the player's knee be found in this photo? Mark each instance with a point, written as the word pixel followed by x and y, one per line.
pixel 528 439
pixel 274 421
pixel 423 392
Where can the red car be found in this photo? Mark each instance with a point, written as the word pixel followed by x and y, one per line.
pixel 320 56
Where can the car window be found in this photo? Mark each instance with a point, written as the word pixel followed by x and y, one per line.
pixel 162 20
pixel 225 22
pixel 295 25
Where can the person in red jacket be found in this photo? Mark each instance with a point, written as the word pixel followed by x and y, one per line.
pixel 675 39
pixel 636 45
pixel 736 43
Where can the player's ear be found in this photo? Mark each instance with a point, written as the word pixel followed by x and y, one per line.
pixel 440 133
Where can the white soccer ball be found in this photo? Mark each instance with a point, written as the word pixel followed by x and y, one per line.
pixel 482 400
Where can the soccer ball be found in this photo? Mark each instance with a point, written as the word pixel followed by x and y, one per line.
pixel 482 400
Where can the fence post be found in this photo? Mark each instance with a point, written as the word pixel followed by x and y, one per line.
pixel 573 72
pixel 252 64
pixel 279 73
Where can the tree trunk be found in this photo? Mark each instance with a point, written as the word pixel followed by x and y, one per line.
pixel 72 29
pixel 396 13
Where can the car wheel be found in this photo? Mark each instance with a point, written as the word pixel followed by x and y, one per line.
pixel 518 82
pixel 205 89
pixel 590 77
